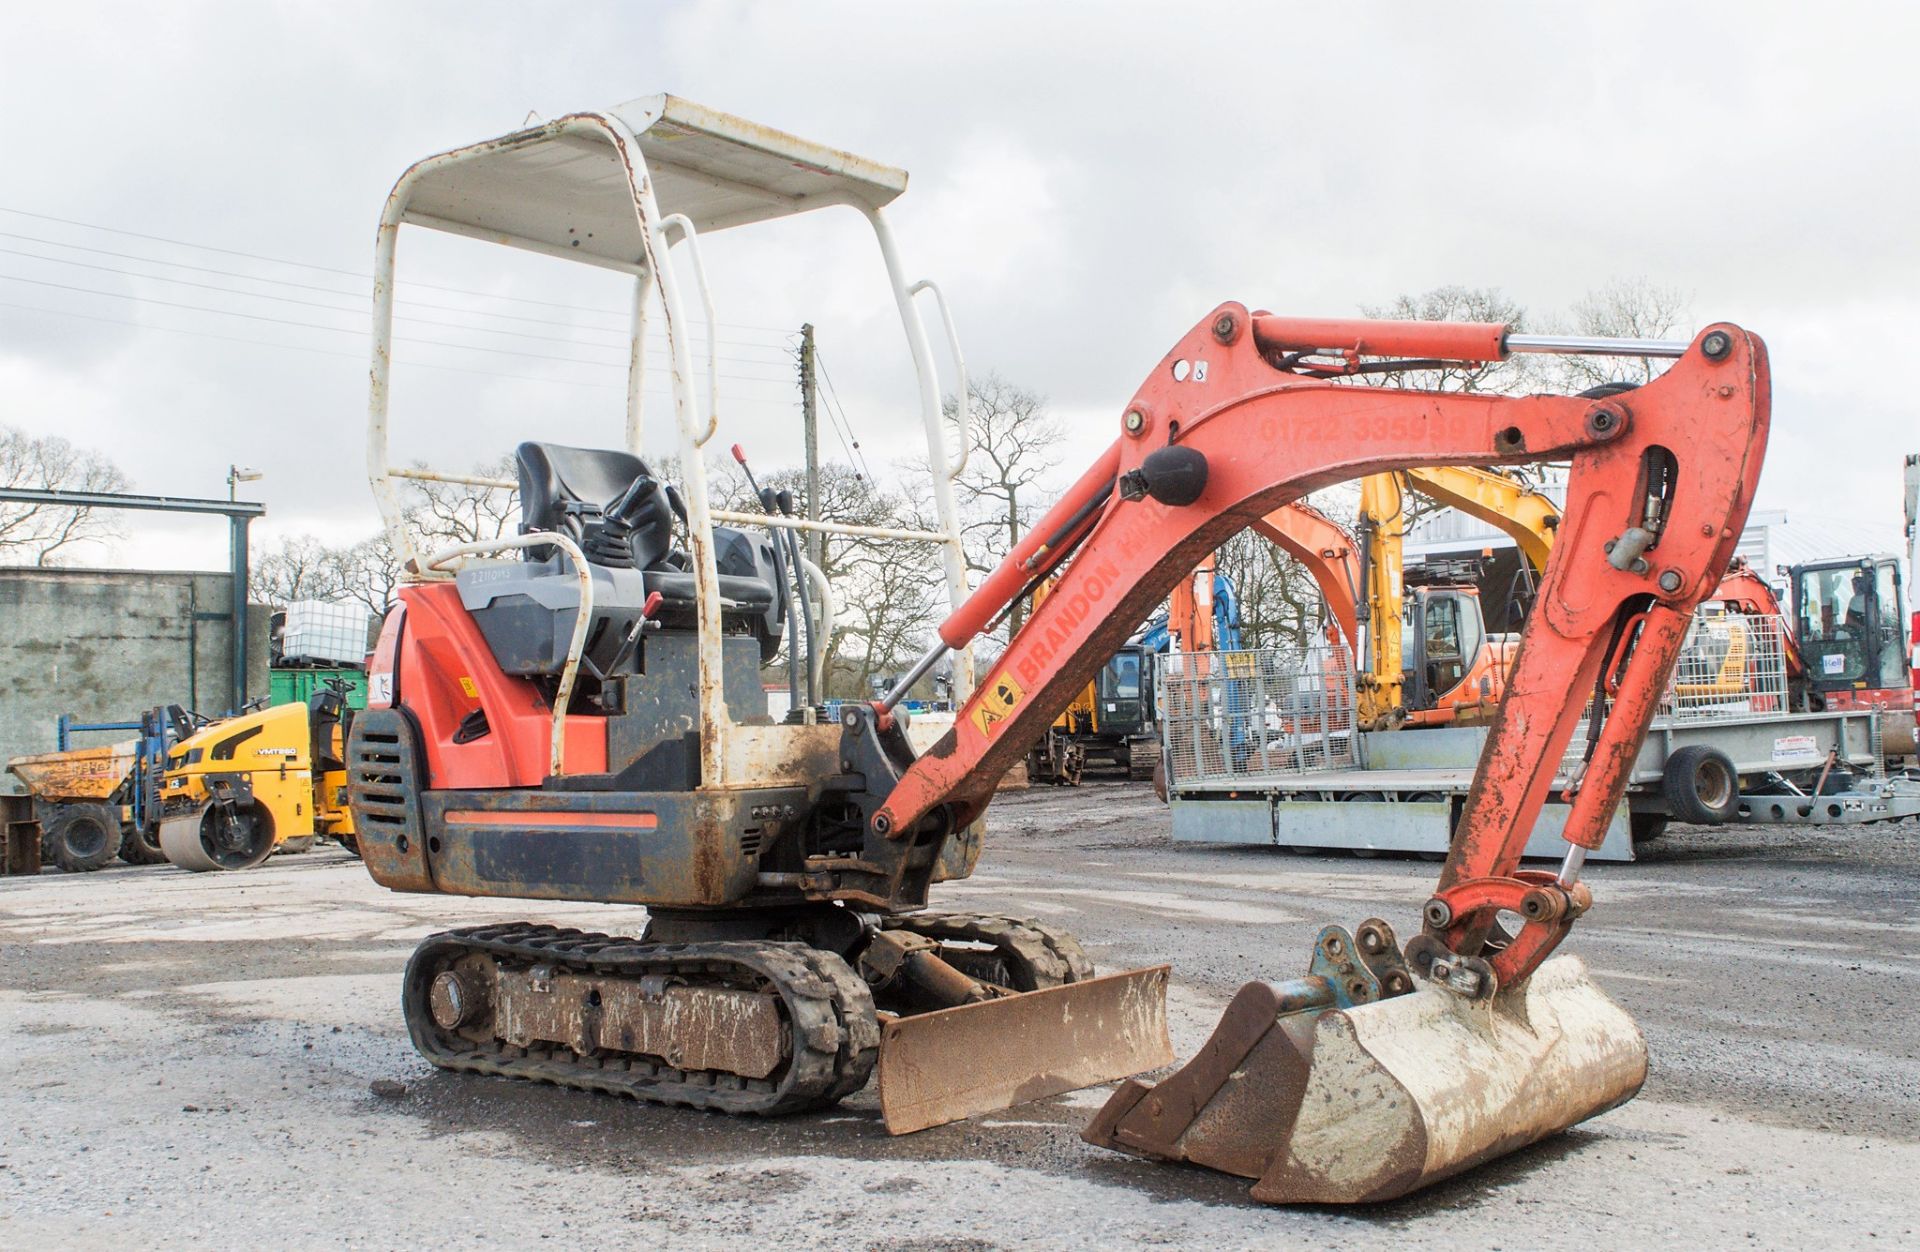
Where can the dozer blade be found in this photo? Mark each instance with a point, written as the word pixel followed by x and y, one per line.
pixel 952 1063
pixel 1342 1106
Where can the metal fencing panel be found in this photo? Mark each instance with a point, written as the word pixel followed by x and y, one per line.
pixel 1227 715
pixel 1733 665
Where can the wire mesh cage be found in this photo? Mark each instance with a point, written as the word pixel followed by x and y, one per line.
pixel 1227 715
pixel 1732 665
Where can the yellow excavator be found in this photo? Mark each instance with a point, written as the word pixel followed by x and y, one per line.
pixel 1459 666
pixel 269 780
pixel 1453 669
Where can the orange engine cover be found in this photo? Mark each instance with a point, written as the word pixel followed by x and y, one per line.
pixel 444 671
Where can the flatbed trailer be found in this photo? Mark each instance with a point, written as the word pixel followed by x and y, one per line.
pixel 1262 750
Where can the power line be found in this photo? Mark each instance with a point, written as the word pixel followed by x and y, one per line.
pixel 360 310
pixel 347 356
pixel 833 394
pixel 343 330
pixel 328 269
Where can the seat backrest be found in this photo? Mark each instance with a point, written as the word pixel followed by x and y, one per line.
pixel 553 475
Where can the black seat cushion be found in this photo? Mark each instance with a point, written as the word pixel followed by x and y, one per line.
pixel 677 590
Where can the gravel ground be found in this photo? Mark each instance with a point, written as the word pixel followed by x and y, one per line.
pixel 190 1063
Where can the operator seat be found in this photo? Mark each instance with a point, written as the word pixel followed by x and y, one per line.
pixel 623 517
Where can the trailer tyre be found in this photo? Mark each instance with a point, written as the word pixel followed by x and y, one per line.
pixel 82 837
pixel 1701 786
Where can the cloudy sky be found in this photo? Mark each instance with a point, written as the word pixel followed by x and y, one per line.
pixel 189 195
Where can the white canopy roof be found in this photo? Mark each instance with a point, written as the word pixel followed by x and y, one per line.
pixel 561 187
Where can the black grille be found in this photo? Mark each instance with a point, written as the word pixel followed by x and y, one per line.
pixel 382 783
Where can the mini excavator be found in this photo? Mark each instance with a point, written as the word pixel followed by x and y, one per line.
pixel 586 723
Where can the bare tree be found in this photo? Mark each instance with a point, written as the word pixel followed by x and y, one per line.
pixel 299 568
pixel 1626 308
pixel 436 515
pixel 450 513
pixel 1012 442
pixel 42 534
pixel 885 589
pixel 370 572
pixel 1279 604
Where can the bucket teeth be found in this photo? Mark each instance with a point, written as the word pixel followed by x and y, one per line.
pixel 1326 1105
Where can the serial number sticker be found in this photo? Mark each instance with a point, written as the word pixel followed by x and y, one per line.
pixel 1794 747
pixel 996 703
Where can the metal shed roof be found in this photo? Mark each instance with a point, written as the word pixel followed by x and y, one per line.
pixel 562 187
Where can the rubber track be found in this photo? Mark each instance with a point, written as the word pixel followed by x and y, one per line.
pixel 1051 956
pixel 835 1036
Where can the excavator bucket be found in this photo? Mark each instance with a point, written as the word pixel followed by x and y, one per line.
pixel 1329 1105
pixel 953 1063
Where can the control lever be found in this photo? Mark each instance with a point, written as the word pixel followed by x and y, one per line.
pixel 642 623
pixel 766 498
pixel 801 579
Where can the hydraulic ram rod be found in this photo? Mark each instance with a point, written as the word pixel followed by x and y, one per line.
pixel 1446 341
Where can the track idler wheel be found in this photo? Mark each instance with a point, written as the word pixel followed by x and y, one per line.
pixel 217 836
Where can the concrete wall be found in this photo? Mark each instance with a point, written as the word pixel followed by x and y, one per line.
pixel 103 645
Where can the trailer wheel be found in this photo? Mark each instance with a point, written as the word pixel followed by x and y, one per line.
pixel 1701 785
pixel 82 837
pixel 1646 827
pixel 142 847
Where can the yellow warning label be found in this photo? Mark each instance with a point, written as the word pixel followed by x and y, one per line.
pixel 467 685
pixel 996 702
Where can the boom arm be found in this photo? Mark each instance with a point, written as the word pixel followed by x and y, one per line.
pixel 1528 517
pixel 1228 428
pixel 1327 550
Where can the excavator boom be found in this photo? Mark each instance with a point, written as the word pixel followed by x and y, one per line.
pixel 1247 413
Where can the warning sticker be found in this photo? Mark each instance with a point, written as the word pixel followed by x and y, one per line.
pixel 996 703
pixel 467 685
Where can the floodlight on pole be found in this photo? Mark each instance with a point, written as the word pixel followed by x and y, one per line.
pixel 241 474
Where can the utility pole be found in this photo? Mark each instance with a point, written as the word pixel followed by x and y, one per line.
pixel 809 417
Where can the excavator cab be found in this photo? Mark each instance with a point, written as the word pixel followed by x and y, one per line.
pixel 1850 621
pixel 1456 670
pixel 1123 693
